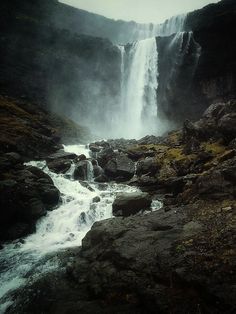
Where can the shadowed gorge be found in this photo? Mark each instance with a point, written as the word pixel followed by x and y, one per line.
pixel 117 159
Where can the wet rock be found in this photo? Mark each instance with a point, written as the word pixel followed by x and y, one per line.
pixel 127 204
pixel 95 148
pixel 96 199
pixel 82 170
pixel 148 166
pixel 59 165
pixel 86 185
pixel 101 179
pixel 104 156
pixel 23 199
pixel 61 155
pixel 97 171
pixel 120 168
pixel 81 157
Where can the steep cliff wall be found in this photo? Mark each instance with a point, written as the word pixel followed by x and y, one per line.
pixel 73 73
pixel 187 88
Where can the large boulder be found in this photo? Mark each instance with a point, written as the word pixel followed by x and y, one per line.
pixel 83 170
pixel 24 198
pixel 147 166
pixel 120 168
pixel 104 156
pixel 227 125
pixel 127 204
pixel 60 165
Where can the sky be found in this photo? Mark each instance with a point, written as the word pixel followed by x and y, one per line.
pixel 143 11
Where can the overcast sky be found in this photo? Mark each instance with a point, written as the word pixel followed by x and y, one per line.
pixel 139 10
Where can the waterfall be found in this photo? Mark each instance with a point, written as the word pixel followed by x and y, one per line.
pixel 138 113
pixel 138 106
pixel 171 26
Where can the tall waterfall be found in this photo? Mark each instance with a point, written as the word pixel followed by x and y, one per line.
pixel 138 115
pixel 141 83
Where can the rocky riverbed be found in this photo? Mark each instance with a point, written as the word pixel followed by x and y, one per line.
pixel 180 259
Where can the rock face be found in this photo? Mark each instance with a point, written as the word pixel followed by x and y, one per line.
pixel 191 86
pixel 127 204
pixel 26 193
pixel 34 132
pixel 56 55
pixel 180 259
pixel 141 264
pixel 82 170
pixel 120 167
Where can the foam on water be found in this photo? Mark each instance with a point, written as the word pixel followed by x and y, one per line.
pixel 62 228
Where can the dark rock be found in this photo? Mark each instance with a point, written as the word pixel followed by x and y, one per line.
pixel 120 168
pixel 61 155
pixel 15 158
pixel 96 199
pixel 81 158
pixel 19 230
pixel 59 165
pixel 127 204
pixel 101 179
pixel 150 139
pixel 104 156
pixel 137 154
pixel 148 166
pixel 23 199
pixel 86 185
pixel 97 171
pixel 213 111
pixel 82 170
pixel 94 148
pixel 232 144
pixel 227 125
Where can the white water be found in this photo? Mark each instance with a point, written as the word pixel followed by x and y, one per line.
pixel 62 228
pixel 171 26
pixel 138 112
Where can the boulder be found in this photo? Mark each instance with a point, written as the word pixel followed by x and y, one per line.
pixel 227 125
pixel 104 156
pixel 95 148
pixel 101 179
pixel 120 168
pixel 23 199
pixel 60 165
pixel 97 171
pixel 61 155
pixel 127 204
pixel 82 170
pixel 147 166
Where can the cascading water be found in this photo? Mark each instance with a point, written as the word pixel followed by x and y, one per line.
pixel 138 93
pixel 138 114
pixel 143 31
pixel 60 229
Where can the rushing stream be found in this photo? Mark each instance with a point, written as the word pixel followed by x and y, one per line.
pixel 62 228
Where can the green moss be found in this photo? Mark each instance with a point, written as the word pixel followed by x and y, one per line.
pixel 214 148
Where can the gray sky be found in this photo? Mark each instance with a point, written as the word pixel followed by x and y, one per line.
pixel 139 10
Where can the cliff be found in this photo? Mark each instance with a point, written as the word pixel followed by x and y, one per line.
pixel 68 72
pixel 214 76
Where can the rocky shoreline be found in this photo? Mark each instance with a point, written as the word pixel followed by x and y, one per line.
pixel 180 259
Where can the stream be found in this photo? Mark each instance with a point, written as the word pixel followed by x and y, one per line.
pixel 62 228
